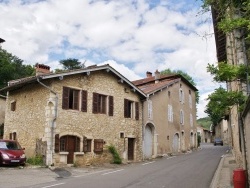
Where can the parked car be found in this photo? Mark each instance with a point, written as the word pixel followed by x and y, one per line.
pixel 11 153
pixel 218 141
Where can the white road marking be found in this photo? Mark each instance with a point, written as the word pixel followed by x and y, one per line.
pixel 88 174
pixel 148 163
pixel 171 157
pixel 112 172
pixel 53 185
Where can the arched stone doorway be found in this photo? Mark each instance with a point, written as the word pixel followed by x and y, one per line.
pixel 149 141
pixel 176 143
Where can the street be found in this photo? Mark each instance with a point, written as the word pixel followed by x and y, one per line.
pixel 191 170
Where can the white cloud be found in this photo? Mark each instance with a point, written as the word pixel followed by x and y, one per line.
pixel 132 36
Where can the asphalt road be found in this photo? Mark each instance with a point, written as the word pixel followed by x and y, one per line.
pixel 192 170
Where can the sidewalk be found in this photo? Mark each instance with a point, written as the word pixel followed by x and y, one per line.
pixel 223 177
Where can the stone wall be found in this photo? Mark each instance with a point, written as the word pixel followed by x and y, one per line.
pixel 36 105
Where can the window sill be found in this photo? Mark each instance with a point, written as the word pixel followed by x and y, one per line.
pixel 63 153
pixel 79 153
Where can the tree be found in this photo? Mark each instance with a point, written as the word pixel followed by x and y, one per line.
pixel 186 76
pixel 70 64
pixel 11 68
pixel 220 102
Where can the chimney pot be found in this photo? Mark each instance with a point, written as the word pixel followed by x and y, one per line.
pixel 42 69
pixel 149 74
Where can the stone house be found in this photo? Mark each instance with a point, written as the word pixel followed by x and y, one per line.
pixel 2 114
pixel 205 134
pixel 71 117
pixel 169 114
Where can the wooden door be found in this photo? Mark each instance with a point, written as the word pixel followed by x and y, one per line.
pixel 71 149
pixel 131 149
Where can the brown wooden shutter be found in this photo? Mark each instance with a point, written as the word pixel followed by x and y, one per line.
pixel 76 100
pixel 10 136
pixel 57 143
pixel 95 103
pixel 111 105
pixel 84 101
pixel 126 108
pixel 65 98
pixel 137 110
pixel 85 144
pixel 98 145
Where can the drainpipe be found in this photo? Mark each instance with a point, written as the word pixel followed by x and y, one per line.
pixel 54 119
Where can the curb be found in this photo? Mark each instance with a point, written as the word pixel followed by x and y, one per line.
pixel 214 182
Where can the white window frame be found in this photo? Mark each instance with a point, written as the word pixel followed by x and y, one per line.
pixel 170 113
pixel 190 101
pixel 150 110
pixel 191 120
pixel 181 117
pixel 181 96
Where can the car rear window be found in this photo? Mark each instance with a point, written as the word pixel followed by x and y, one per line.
pixel 9 145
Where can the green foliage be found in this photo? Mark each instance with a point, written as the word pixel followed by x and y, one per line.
pixel 116 157
pixel 205 122
pixel 37 160
pixel 226 72
pixel 186 76
pixel 220 102
pixel 11 68
pixel 70 64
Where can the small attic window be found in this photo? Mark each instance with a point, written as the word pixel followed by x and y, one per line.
pixel 13 106
pixel 121 134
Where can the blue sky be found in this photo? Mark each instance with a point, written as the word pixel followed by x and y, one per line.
pixel 133 36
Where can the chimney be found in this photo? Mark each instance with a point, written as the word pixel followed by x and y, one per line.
pixel 149 74
pixel 42 69
pixel 157 76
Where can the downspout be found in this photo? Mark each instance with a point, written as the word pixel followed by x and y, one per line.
pixel 54 119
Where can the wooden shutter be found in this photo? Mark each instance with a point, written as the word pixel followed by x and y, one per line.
pixel 84 100
pixel 65 98
pixel 98 145
pixel 57 143
pixel 111 105
pixel 126 108
pixel 137 110
pixel 85 146
pixel 95 103
pixel 10 136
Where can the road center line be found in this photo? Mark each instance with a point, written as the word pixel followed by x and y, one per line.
pixel 112 172
pixel 171 157
pixel 88 174
pixel 53 185
pixel 148 163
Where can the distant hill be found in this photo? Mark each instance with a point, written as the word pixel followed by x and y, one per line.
pixel 204 122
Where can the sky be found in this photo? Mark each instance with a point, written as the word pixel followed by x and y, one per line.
pixel 132 36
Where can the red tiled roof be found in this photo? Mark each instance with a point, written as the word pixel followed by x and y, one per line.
pixel 149 88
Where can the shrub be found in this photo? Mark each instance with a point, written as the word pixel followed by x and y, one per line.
pixel 37 160
pixel 116 157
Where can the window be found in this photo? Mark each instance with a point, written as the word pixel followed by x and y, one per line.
pixel 170 113
pixel 131 109
pixel 68 142
pixel 150 110
pixel 12 136
pixel 13 106
pixel 181 117
pixel 87 144
pixel 71 99
pixel 98 145
pixel 100 104
pixel 191 120
pixel 181 96
pixel 190 99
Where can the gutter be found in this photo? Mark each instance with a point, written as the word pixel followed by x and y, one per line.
pixel 54 119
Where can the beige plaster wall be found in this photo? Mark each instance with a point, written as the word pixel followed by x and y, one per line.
pixel 165 130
